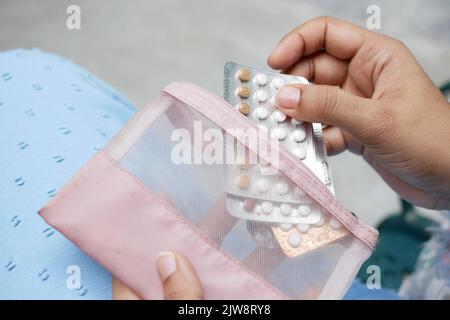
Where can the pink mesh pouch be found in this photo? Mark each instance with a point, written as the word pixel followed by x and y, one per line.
pixel 161 184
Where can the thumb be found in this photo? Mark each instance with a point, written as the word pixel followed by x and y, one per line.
pixel 179 279
pixel 330 105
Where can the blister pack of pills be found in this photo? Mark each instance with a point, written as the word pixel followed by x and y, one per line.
pixel 255 190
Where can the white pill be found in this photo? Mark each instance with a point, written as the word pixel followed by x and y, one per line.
pixel 321 221
pixel 260 79
pixel 304 210
pixel 267 207
pixel 296 122
pixel 260 96
pixel 298 193
pixel 285 209
pixel 285 226
pixel 260 113
pixel 282 188
pixel 294 240
pixel 300 152
pixel 334 224
pixel 278 116
pixel 277 83
pixel 278 133
pixel 263 185
pixel 298 135
pixel 303 227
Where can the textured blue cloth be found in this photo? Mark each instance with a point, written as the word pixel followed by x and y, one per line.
pixel 359 291
pixel 53 117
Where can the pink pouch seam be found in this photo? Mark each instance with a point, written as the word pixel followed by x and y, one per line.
pixel 368 235
pixel 166 204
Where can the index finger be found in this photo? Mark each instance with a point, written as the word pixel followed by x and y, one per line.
pixel 338 38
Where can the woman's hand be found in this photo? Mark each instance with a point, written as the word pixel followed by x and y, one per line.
pixel 179 279
pixel 377 100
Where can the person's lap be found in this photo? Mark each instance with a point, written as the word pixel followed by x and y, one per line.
pixel 53 117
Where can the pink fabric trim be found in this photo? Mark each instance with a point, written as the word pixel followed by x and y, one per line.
pixel 115 219
pixel 220 112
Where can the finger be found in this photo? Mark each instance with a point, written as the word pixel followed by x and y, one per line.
pixel 331 105
pixel 337 141
pixel 121 292
pixel 334 140
pixel 405 189
pixel 179 279
pixel 218 221
pixel 340 39
pixel 320 68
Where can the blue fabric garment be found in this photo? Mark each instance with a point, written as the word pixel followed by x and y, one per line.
pixel 359 291
pixel 53 117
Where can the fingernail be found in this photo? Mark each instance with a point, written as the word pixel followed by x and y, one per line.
pixel 166 264
pixel 288 97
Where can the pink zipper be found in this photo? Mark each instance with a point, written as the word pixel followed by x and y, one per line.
pixel 225 116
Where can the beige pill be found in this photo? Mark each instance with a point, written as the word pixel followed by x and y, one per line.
pixel 243 181
pixel 243 92
pixel 243 108
pixel 243 74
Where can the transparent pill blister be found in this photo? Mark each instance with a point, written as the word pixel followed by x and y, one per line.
pixel 253 93
pixel 297 223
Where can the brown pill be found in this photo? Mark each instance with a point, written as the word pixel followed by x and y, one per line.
pixel 243 92
pixel 243 181
pixel 244 108
pixel 244 75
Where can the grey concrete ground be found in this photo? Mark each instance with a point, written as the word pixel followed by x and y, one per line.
pixel 139 46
